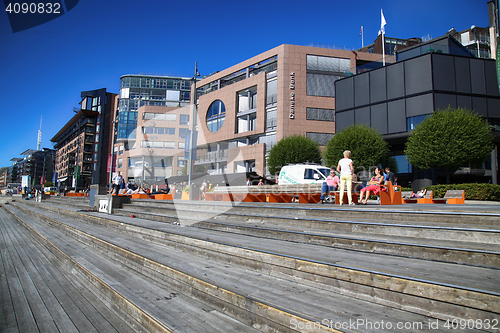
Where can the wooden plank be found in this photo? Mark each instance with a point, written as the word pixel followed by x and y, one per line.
pixel 24 317
pixel 101 317
pixel 63 310
pixel 53 312
pixel 7 317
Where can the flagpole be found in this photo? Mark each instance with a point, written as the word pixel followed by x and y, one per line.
pixel 382 30
pixel 362 37
pixel 383 49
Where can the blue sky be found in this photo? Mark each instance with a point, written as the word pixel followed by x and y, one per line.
pixel 44 69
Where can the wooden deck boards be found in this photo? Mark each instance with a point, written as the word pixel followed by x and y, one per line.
pixel 37 297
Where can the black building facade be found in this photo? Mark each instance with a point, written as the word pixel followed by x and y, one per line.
pixel 396 98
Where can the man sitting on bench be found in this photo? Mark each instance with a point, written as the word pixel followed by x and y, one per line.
pixel 162 191
pixel 331 184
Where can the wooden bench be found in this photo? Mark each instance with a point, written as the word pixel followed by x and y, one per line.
pixel 453 197
pixel 237 193
pixel 287 193
pixel 306 193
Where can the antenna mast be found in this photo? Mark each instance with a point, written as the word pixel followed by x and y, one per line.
pixel 39 142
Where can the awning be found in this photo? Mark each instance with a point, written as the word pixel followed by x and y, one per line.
pixel 62 179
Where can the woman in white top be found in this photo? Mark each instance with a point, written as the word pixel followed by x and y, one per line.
pixel 346 170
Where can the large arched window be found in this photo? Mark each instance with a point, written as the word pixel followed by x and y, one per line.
pixel 216 115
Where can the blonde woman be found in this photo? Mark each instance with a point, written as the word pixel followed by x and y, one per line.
pixel 346 170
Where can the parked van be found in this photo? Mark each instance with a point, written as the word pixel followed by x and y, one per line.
pixel 50 190
pixel 303 174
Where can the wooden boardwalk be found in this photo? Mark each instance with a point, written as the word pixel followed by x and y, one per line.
pixel 37 296
pixel 247 270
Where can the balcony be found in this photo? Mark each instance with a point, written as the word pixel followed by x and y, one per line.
pixel 212 156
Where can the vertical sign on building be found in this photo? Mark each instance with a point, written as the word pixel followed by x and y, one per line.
pixel 292 95
pixel 498 63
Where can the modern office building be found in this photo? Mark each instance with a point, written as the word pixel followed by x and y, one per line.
pixel 245 109
pixel 147 90
pixel 37 164
pixel 392 45
pixel 394 99
pixel 157 151
pixel 4 176
pixel 475 39
pixel 84 143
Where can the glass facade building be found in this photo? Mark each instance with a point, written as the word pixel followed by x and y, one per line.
pixel 148 90
pixel 396 98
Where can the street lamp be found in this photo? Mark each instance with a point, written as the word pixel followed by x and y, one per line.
pixel 112 161
pixel 191 134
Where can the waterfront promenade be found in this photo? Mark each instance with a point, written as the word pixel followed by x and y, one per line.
pixel 163 266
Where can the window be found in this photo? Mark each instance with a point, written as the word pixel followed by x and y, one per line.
pixel 320 114
pixel 169 144
pixel 272 92
pixel 247 99
pixel 412 122
pixel 269 140
pixel 314 174
pixel 183 119
pixel 183 132
pixel 159 116
pixel 247 123
pixel 402 164
pixel 216 115
pixel 322 72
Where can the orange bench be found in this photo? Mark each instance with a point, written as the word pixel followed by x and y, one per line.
pixel 427 199
pixel 164 196
pixel 140 196
pixel 452 197
pixel 391 196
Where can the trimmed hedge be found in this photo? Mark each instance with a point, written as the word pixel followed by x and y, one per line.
pixel 483 192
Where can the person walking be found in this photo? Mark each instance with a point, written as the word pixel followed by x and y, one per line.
pixel 346 169
pixel 117 180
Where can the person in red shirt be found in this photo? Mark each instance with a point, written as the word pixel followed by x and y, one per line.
pixel 331 184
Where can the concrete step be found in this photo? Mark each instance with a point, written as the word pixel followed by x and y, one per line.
pixel 422 286
pixel 476 247
pixel 442 214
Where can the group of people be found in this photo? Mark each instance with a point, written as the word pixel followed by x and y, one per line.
pixel 118 184
pixel 343 175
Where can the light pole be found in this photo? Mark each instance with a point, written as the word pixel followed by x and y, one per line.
pixel 191 132
pixel 112 161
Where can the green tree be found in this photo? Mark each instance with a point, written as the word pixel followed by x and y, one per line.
pixel 366 145
pixel 293 149
pixel 198 169
pixel 449 139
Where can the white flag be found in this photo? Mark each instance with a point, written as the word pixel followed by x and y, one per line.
pixel 382 25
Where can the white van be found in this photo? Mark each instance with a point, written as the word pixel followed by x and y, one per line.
pixel 303 174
